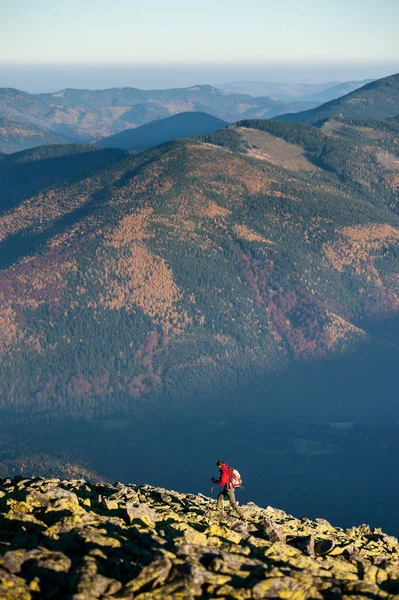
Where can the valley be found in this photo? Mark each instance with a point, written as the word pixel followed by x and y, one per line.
pixel 232 292
pixel 310 469
pixel 199 300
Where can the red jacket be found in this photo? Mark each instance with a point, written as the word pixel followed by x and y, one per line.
pixel 224 478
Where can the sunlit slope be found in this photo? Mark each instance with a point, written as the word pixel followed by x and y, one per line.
pixel 76 539
pixel 376 100
pixel 190 271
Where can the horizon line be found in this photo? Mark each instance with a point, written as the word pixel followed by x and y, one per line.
pixel 160 63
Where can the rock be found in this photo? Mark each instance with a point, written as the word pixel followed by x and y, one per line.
pixel 286 587
pixel 244 528
pixel 271 530
pixel 51 561
pixel 323 547
pixel 224 533
pixel 110 504
pixel 75 540
pixel 276 511
pixel 144 513
pixel 96 586
pixel 14 559
pixel 156 574
pixel 305 543
pixel 13 587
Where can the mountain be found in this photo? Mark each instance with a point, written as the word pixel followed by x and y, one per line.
pixel 87 115
pixel 316 92
pixel 164 130
pixel 72 122
pixel 376 100
pixel 16 136
pixel 256 264
pixel 283 91
pixel 73 538
pixel 232 294
pixel 335 91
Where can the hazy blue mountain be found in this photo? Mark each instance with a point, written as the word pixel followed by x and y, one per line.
pixel 336 91
pixel 145 112
pixel 71 122
pixel 164 130
pixel 89 115
pixel 318 92
pixel 377 100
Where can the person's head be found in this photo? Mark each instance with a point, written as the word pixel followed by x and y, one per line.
pixel 219 463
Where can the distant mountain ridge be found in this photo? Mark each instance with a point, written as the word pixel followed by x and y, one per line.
pixel 163 130
pixel 75 115
pixel 335 91
pixel 87 115
pixel 319 92
pixel 377 100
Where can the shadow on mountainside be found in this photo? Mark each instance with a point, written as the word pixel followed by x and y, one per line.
pixel 23 177
pixel 311 439
pixel 359 384
pixel 28 242
pixel 18 246
pixel 384 329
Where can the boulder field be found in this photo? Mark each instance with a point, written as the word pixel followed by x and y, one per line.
pixel 81 541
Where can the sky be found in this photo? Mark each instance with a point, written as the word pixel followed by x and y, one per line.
pixel 254 36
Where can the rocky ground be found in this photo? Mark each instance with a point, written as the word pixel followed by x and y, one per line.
pixel 76 540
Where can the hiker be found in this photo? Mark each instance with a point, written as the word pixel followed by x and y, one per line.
pixel 228 481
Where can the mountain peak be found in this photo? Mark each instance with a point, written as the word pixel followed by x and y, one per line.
pixel 160 131
pixel 202 86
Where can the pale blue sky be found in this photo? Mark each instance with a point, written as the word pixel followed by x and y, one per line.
pixel 202 32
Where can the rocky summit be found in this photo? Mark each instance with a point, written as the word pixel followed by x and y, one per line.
pixel 77 540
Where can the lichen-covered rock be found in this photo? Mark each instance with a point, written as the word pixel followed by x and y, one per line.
pixel 78 541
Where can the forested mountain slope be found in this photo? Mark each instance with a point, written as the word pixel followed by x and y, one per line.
pixel 376 100
pixel 16 136
pixel 163 130
pixel 257 260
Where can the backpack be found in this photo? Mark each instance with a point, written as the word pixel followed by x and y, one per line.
pixel 235 478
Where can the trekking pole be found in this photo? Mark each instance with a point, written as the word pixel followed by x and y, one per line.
pixel 208 506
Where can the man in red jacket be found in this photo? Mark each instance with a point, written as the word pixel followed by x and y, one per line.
pixel 228 489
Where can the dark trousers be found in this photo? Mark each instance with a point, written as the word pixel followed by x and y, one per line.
pixel 229 492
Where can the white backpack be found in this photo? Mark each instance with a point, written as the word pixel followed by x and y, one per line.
pixel 235 478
